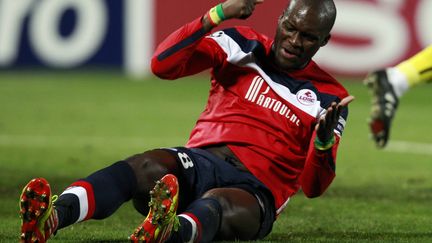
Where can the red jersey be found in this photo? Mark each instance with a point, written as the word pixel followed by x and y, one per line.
pixel 265 116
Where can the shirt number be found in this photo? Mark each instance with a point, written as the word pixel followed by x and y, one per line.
pixel 185 160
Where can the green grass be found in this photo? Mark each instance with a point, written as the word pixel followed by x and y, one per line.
pixel 64 126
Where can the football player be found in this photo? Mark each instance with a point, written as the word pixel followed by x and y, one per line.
pixel 272 126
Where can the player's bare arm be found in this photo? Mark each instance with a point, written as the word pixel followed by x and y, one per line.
pixel 234 9
pixel 328 123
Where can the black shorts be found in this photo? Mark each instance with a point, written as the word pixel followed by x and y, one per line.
pixel 202 171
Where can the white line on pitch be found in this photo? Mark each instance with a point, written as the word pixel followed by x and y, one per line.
pixel 409 147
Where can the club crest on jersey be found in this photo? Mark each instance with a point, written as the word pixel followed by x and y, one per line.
pixel 306 97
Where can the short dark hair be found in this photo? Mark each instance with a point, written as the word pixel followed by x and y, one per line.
pixel 325 8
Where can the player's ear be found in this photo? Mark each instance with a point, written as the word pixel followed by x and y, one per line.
pixel 326 40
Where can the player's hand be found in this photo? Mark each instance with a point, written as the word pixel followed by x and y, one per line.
pixel 328 123
pixel 239 9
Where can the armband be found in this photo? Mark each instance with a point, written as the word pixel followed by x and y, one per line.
pixel 324 145
pixel 216 15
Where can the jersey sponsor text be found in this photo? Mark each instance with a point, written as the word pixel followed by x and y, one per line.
pixel 253 95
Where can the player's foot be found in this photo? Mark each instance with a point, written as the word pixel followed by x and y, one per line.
pixel 161 219
pixel 38 216
pixel 384 105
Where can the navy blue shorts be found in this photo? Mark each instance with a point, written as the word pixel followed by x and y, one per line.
pixel 202 171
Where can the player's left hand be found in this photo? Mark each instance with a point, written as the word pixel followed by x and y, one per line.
pixel 328 123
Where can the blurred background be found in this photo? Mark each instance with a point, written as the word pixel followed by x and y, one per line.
pixel 76 95
pixel 71 34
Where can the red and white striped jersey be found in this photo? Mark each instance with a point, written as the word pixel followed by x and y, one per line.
pixel 266 116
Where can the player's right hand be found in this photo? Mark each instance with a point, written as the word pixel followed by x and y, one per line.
pixel 239 9
pixel 328 123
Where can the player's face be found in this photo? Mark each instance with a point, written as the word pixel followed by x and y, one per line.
pixel 299 36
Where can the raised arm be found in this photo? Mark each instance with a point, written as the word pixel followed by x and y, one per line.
pixel 319 169
pixel 186 51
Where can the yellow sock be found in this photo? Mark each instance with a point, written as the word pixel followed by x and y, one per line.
pixel 418 69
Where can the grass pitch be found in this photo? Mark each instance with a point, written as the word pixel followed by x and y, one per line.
pixel 64 126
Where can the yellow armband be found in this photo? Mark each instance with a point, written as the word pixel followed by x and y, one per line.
pixel 216 15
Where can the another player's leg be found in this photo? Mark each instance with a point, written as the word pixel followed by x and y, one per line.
pixel 389 85
pixel 417 69
pixel 384 105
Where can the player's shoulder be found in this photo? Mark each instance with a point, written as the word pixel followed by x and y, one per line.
pixel 246 33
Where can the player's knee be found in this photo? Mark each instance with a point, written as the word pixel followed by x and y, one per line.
pixel 145 164
pixel 214 193
pixel 149 167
